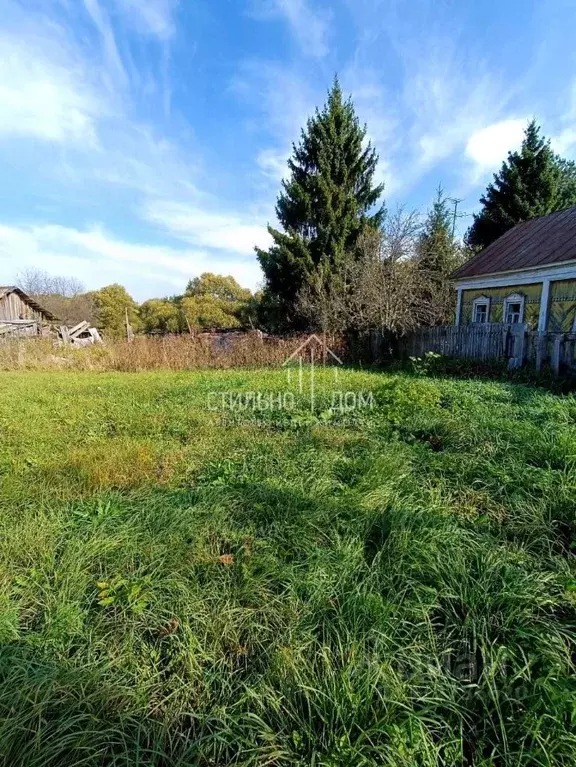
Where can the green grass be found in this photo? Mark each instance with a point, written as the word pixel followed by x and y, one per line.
pixel 185 586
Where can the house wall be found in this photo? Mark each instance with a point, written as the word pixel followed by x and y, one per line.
pixel 561 314
pixel 497 297
pixel 562 311
pixel 12 307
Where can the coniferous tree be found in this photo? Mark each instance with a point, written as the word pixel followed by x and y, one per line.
pixel 438 255
pixel 567 181
pixel 437 249
pixel 531 182
pixel 324 206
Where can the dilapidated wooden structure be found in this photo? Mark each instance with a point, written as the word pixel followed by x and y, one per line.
pixel 21 315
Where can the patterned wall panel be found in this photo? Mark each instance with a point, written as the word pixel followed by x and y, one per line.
pixel 497 297
pixel 562 310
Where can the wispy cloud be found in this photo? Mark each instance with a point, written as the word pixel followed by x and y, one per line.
pixel 51 90
pixel 113 61
pixel 273 163
pixel 309 25
pixel 152 17
pixel 279 95
pixel 43 93
pixel 564 139
pixel 98 258
pixel 283 100
pixel 215 230
pixel 449 97
pixel 443 88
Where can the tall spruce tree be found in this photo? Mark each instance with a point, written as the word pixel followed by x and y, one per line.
pixel 326 203
pixel 531 182
pixel 438 255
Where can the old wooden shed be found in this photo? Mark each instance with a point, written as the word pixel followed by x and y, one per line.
pixel 21 314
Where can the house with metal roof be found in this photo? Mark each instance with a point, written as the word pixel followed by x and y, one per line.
pixel 527 276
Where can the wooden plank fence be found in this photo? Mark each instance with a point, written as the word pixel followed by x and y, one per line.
pixel 495 341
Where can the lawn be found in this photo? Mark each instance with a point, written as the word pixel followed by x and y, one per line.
pixel 183 583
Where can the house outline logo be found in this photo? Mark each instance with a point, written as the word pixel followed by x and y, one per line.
pixel 341 401
pixel 309 343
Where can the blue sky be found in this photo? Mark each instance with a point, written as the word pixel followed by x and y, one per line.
pixel 143 141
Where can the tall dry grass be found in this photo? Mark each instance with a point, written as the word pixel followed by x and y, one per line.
pixel 145 353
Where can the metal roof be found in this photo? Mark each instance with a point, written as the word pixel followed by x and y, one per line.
pixel 539 242
pixel 6 289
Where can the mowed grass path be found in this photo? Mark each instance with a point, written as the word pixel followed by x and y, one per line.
pixel 185 586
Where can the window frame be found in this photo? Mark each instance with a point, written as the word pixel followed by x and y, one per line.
pixel 514 298
pixel 481 301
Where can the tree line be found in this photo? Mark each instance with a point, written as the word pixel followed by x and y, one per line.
pixel 209 301
pixel 340 260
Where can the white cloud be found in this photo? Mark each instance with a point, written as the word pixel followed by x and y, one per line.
pixel 489 146
pixel 225 232
pixel 448 109
pixel 565 142
pixel 43 94
pixel 273 163
pixel 309 26
pixel 97 258
pixel 281 96
pixel 72 90
pixel 153 17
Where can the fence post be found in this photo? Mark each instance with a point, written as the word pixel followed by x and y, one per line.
pixel 518 349
pixel 541 348
pixel 569 350
pixel 557 354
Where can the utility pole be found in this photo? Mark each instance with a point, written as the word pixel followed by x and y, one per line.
pixel 456 202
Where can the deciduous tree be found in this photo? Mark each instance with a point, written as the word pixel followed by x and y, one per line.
pixel 215 301
pixel 161 315
pixel 65 297
pixel 113 305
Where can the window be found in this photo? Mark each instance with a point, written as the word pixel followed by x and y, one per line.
pixel 513 312
pixel 514 309
pixel 481 310
pixel 481 313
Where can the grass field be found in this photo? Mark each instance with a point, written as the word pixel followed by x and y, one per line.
pixel 186 585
